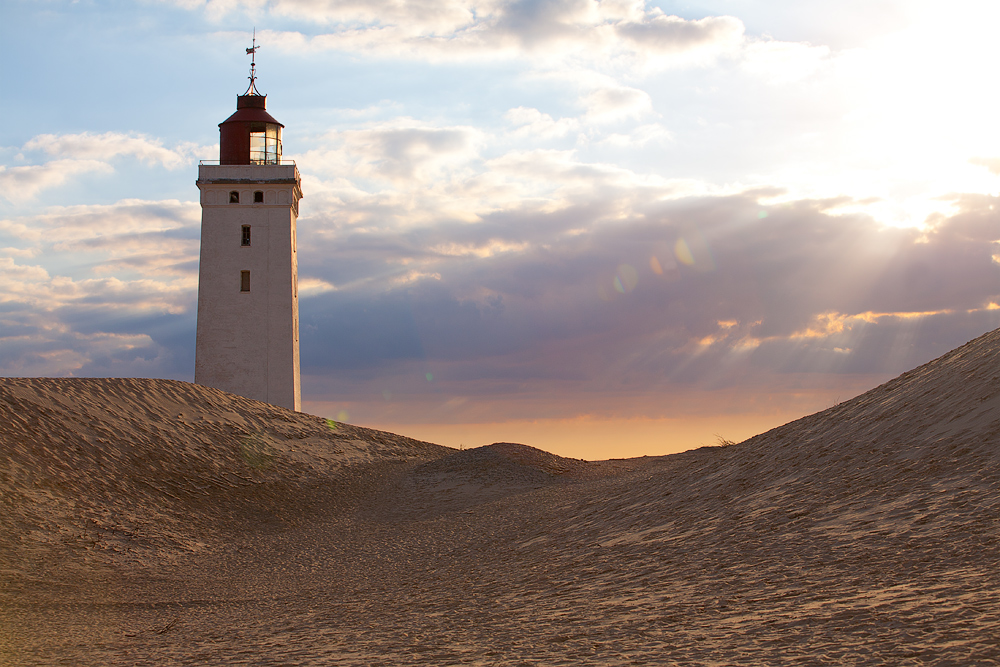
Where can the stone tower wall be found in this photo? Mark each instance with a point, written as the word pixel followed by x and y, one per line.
pixel 248 342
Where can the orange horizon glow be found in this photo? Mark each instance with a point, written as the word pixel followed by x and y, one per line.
pixel 600 437
pixel 595 439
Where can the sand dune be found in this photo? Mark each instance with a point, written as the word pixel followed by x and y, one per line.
pixel 158 522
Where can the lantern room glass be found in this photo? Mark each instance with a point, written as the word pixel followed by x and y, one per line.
pixel 265 143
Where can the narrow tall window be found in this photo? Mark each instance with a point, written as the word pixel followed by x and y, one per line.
pixel 258 197
pixel 244 281
pixel 246 235
pixel 234 197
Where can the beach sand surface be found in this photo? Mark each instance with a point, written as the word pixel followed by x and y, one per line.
pixel 155 522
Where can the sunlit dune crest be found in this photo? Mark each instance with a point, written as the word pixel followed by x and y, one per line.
pixel 158 522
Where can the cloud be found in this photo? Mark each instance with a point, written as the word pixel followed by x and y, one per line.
pixel 507 272
pixel 57 325
pixel 783 62
pixel 532 122
pixel 701 292
pixel 612 104
pixel 432 16
pixel 121 301
pixel 104 147
pixel 86 153
pixel 314 286
pixel 559 177
pixel 991 163
pixel 143 236
pixel 404 151
pixel 22 183
pixel 565 277
pixel 20 252
pixel 639 136
pixel 535 24
pixel 401 150
pixel 544 30
pixel 658 34
pixel 47 352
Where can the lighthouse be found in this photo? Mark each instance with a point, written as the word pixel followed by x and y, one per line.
pixel 248 302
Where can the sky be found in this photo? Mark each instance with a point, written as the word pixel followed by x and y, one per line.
pixel 601 228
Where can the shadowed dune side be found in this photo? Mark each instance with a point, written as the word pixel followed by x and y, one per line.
pixel 119 470
pixel 471 477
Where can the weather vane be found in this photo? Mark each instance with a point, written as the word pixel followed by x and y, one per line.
pixel 252 52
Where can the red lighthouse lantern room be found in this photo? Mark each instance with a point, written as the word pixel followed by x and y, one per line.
pixel 251 135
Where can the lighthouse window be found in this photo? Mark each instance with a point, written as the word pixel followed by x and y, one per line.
pixel 258 197
pixel 246 235
pixel 265 143
pixel 244 281
pixel 234 197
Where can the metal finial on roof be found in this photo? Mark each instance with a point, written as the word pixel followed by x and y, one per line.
pixel 252 52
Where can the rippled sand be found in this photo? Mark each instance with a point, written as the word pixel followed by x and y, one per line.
pixel 151 522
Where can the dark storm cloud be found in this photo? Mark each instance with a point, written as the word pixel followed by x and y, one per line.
pixel 92 338
pixel 169 352
pixel 614 292
pixel 122 302
pixel 619 300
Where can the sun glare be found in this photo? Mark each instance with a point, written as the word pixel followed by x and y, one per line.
pixel 919 119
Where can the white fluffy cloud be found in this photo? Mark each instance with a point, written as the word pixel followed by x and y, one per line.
pixel 104 147
pixel 87 153
pixel 619 102
pixel 425 16
pixel 129 252
pixel 532 122
pixel 22 183
pixel 656 33
pixel 405 150
pixel 783 62
pixel 540 29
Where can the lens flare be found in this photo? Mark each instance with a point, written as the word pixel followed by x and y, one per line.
pixel 257 451
pixel 683 252
pixel 430 377
pixel 654 264
pixel 342 416
pixel 626 278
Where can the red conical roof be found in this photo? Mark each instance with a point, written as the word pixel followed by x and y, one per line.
pixel 250 108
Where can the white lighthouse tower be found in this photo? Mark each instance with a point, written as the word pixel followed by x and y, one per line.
pixel 248 304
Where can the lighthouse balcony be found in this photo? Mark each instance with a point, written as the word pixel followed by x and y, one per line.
pixel 210 171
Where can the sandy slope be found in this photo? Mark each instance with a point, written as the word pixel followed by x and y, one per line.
pixel 154 522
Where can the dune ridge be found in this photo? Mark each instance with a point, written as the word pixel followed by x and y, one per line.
pixel 228 531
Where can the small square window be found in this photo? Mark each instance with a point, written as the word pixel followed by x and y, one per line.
pixel 258 197
pixel 244 281
pixel 234 197
pixel 246 236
